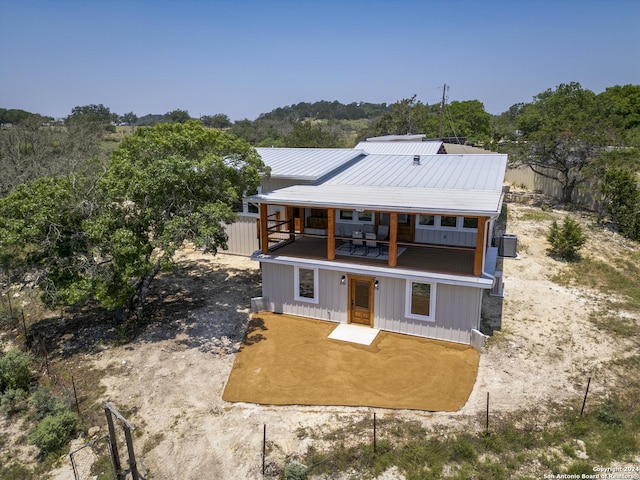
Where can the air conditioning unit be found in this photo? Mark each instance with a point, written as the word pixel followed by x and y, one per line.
pixel 508 246
pixel 497 290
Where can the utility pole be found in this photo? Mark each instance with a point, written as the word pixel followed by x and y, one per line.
pixel 444 89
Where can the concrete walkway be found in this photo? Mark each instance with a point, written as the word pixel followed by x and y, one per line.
pixel 286 360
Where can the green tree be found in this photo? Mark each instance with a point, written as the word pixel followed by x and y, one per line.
pixel 129 118
pixel 406 116
pixel 166 185
pixel 563 135
pixel 306 134
pixel 219 120
pixel 468 119
pixel 42 237
pixel 620 108
pixel 621 196
pixel 94 116
pixel 566 240
pixel 178 116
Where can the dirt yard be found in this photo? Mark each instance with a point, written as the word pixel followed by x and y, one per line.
pixel 171 378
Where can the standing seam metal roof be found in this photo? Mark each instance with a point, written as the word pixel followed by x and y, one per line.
pixel 306 163
pixel 400 148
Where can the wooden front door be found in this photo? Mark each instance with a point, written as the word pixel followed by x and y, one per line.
pixel 361 300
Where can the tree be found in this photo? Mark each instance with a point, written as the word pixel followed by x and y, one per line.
pixel 178 116
pixel 306 134
pixel 96 116
pixel 219 120
pixel 621 196
pixel 562 135
pixel 566 240
pixel 129 118
pixel 407 116
pixel 166 185
pixel 468 119
pixel 42 238
pixel 620 106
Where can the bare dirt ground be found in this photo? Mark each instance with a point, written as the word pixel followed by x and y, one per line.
pixel 171 378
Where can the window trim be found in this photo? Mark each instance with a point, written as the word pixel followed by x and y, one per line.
pixel 437 224
pixel 296 285
pixel 432 302
pixel 355 218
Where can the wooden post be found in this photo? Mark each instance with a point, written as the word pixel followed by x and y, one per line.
pixel 264 446
pixel 393 239
pixel 264 234
pixel 584 402
pixel 479 252
pixel 375 443
pixel 331 234
pixel 133 466
pixel 115 456
pixel 75 394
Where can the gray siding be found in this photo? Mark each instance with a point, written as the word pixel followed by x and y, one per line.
pixel 457 308
pixel 271 184
pixel 446 237
pixel 243 237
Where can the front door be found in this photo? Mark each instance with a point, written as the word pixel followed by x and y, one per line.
pixel 361 300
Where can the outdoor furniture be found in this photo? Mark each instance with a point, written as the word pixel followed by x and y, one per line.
pixel 356 241
pixel 371 243
pixel 383 235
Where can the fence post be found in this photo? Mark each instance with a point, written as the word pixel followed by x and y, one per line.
pixel 487 422
pixel 75 394
pixel 375 444
pixel 584 402
pixel 264 446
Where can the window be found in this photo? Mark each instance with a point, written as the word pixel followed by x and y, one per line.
pixel 448 222
pixel 365 216
pixel 470 222
pixel 420 302
pixel 355 216
pixel 306 284
pixel 427 220
pixel 346 215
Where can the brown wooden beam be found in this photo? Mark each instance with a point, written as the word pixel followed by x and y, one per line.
pixel 264 234
pixel 479 253
pixel 331 234
pixel 393 239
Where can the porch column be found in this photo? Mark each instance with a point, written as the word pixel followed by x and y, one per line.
pixel 479 253
pixel 393 239
pixel 292 222
pixel 264 235
pixel 331 234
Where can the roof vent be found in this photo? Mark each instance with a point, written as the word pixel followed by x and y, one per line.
pixel 416 159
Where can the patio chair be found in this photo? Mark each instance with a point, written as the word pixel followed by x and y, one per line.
pixel 356 241
pixel 383 235
pixel 371 243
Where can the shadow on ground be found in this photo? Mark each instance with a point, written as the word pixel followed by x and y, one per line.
pixel 201 304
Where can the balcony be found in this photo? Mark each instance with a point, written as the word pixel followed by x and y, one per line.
pixel 431 258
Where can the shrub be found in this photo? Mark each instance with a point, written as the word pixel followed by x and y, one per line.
pixel 295 471
pixel 12 400
pixel 54 431
pixel 566 240
pixel 46 404
pixel 14 370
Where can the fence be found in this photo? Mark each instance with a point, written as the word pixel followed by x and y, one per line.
pixel 525 177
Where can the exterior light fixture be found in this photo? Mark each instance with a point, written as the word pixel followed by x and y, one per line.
pixel 376 285
pixel 343 280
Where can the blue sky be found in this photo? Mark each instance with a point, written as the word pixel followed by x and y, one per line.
pixel 243 57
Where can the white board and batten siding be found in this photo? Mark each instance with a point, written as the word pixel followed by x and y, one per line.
pixel 457 309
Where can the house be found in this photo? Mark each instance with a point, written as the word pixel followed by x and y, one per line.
pixel 401 243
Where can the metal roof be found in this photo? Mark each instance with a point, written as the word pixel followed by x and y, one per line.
pixel 398 138
pixel 306 163
pixel 401 148
pixel 457 184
